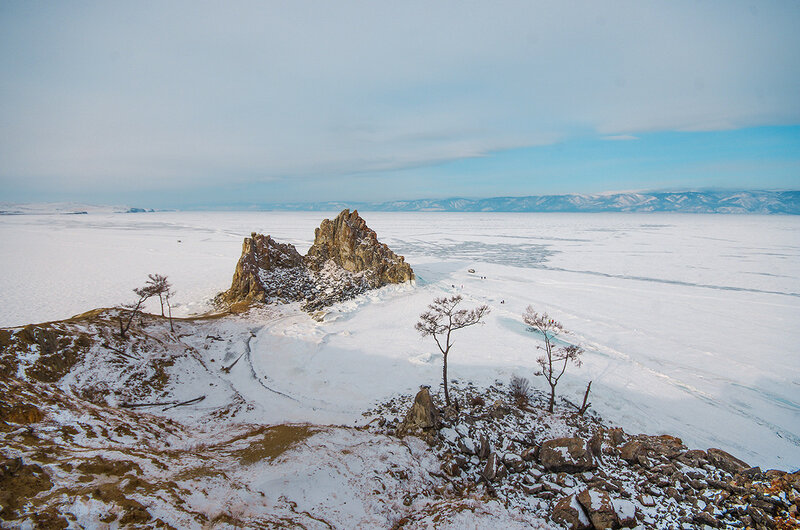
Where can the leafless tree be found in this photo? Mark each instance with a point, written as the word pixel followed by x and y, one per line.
pixel 160 287
pixel 143 293
pixel 555 359
pixel 167 296
pixel 443 318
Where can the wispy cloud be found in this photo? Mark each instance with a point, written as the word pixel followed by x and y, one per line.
pixel 122 95
pixel 620 137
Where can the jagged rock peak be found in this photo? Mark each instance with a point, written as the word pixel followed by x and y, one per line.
pixel 345 260
pixel 260 254
pixel 351 244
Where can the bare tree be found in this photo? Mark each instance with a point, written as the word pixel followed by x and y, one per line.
pixel 160 287
pixel 167 296
pixel 143 293
pixel 441 320
pixel 554 361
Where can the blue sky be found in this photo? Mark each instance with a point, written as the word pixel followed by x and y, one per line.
pixel 178 104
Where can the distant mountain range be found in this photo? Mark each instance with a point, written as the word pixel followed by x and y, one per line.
pixel 738 202
pixel 752 202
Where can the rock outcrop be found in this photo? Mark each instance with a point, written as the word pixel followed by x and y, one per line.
pixel 422 418
pixel 262 259
pixel 345 260
pixel 353 246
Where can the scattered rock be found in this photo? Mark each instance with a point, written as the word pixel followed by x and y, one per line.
pixel 514 463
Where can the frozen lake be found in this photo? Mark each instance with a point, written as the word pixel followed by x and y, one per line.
pixel 690 322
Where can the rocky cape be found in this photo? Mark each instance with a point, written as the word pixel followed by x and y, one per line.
pixel 345 260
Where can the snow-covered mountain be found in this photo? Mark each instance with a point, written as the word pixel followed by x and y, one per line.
pixel 753 202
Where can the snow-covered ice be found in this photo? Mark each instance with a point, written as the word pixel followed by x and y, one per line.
pixel 689 322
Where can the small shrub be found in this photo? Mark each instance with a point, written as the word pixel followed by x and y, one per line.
pixel 520 389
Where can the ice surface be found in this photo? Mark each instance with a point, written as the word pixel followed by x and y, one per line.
pixel 690 322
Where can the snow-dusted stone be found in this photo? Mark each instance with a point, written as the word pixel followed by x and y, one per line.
pixel 647 501
pixel 694 457
pixel 705 518
pixel 599 507
pixel 491 468
pixel 726 461
pixel 466 445
pixel 514 462
pixel 566 454
pixel 483 452
pixel 626 512
pixel 568 512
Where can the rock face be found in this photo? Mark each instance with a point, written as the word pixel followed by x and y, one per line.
pixel 352 245
pixel 345 260
pixel 262 258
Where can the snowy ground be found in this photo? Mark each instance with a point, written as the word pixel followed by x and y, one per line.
pixel 690 322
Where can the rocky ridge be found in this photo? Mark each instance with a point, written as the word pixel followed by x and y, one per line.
pixel 146 431
pixel 345 260
pixel 582 474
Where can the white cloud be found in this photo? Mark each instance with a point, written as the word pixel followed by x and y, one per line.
pixel 116 94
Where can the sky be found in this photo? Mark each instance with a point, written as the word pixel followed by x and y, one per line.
pixel 179 104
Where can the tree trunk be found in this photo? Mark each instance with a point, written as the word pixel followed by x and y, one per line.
pixel 169 308
pixel 444 380
pixel 552 397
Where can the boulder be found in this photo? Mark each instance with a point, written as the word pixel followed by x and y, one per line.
pixel 726 461
pixel 640 447
pixel 569 513
pixel 566 454
pixel 599 507
pixel 631 451
pixel 422 417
